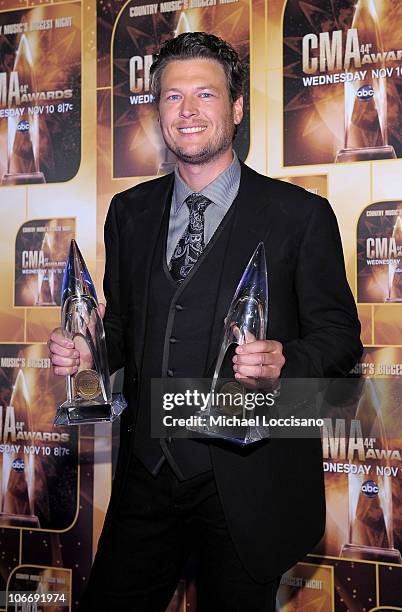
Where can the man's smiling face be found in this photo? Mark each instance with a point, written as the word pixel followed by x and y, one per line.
pixel 196 113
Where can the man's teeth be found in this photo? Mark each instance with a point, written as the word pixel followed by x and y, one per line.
pixel 191 130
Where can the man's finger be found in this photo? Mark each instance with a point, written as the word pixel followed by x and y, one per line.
pixel 65 361
pixel 258 371
pixel 248 336
pixel 248 383
pixel 260 346
pixel 60 371
pixel 56 349
pixel 256 359
pixel 58 338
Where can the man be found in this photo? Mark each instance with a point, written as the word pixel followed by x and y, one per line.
pixel 175 250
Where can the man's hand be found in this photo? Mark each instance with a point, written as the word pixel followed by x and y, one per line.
pixel 68 356
pixel 259 362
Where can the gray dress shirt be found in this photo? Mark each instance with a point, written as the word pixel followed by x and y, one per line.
pixel 221 191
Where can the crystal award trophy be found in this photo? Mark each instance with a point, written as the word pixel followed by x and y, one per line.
pixel 370 497
pixel 365 129
pixel 89 396
pixel 395 266
pixel 228 415
pixel 17 474
pixel 23 132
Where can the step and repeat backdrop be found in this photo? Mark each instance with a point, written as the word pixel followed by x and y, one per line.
pixel 77 124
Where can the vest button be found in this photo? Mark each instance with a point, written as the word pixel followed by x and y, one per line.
pixel 179 307
pixel 173 340
pixel 170 373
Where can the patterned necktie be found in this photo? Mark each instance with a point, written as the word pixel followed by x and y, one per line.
pixel 191 244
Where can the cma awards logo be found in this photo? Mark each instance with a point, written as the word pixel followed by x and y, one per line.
pixel 18 465
pixel 365 92
pixel 23 126
pixel 370 488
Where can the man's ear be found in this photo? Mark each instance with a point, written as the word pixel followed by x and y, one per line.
pixel 238 110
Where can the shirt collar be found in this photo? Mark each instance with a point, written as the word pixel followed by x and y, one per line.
pixel 221 191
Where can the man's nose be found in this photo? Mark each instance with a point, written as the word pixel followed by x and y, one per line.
pixel 188 107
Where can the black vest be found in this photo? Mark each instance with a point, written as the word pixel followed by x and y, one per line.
pixel 178 333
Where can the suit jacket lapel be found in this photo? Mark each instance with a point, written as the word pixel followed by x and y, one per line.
pixel 251 225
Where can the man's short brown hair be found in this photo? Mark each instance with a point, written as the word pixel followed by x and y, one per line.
pixel 198 45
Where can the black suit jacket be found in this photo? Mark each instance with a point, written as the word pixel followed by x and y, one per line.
pixel 273 493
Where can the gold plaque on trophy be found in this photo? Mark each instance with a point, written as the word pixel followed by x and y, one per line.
pixel 87 384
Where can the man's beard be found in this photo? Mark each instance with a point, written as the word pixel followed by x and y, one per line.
pixel 210 151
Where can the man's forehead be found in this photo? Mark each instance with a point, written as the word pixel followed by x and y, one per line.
pixel 191 69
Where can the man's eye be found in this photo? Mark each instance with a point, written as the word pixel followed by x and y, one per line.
pixel 205 94
pixel 173 97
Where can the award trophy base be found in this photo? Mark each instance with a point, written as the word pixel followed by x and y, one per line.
pixel 87 412
pixel 371 553
pixel 221 425
pixel 229 419
pixel 23 178
pixel 8 519
pixel 365 154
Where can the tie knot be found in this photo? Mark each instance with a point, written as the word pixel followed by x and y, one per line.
pixel 197 202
